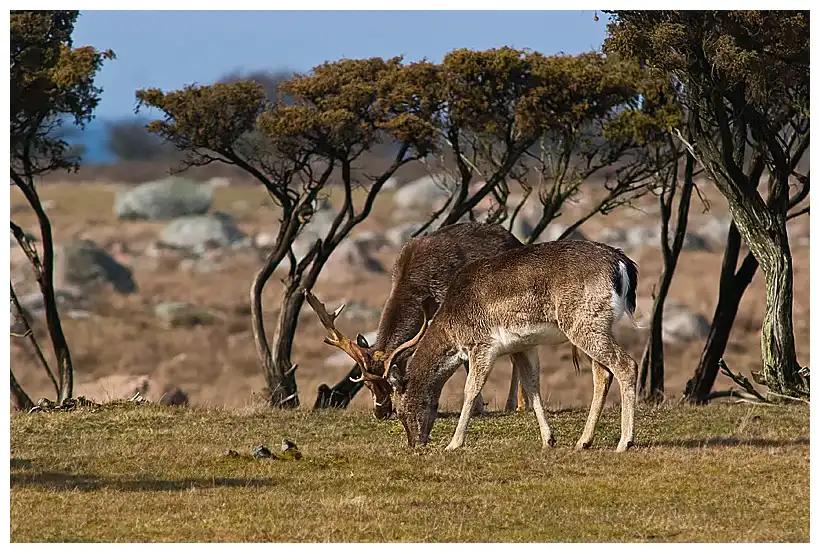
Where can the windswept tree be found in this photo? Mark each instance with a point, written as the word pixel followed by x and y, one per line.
pixel 334 115
pixel 744 76
pixel 52 83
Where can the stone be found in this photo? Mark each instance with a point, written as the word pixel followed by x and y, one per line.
pixel 422 194
pixel 680 324
pixel 201 232
pixel 181 314
pixel 400 234
pixel 164 199
pixel 85 266
pixel 351 257
pixel 174 396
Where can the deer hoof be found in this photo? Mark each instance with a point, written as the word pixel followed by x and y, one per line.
pixel 550 443
pixel 583 445
pixel 623 447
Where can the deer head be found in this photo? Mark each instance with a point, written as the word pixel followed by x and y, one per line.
pixel 375 364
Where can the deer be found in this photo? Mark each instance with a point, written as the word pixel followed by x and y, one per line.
pixel 545 294
pixel 422 273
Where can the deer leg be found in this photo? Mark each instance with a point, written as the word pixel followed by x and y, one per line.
pixel 600 346
pixel 481 363
pixel 512 397
pixel 529 376
pixel 478 405
pixel 601 380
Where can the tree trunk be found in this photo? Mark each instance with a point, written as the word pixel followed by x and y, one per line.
pixel 45 279
pixel 780 367
pixel 652 362
pixel 732 287
pixel 19 397
pixel 341 394
pixel 282 384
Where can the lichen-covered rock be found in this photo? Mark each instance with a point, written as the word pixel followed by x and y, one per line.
pixel 181 314
pixel 201 232
pixel 85 266
pixel 163 199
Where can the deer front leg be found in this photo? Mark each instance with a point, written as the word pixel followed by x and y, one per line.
pixel 601 380
pixel 529 369
pixel 481 363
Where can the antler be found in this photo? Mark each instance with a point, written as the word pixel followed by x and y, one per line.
pixel 337 339
pixel 405 346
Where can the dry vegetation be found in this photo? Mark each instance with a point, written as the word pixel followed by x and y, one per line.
pixel 216 365
pixel 147 473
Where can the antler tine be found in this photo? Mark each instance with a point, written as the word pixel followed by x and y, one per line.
pixel 334 337
pixel 407 345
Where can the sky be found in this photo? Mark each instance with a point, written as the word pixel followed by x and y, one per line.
pixel 170 49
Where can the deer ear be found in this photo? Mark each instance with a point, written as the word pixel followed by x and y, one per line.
pixel 361 341
pixel 429 306
pixel 396 378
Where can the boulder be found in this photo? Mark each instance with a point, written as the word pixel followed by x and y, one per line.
pixel 680 324
pixel 423 194
pixel 201 232
pixel 400 234
pixel 181 314
pixel 634 238
pixel 163 199
pixel 351 257
pixel 83 265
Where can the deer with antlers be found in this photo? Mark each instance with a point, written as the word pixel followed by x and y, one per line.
pixel 423 271
pixel 541 294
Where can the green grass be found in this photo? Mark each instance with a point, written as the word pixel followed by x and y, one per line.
pixel 147 473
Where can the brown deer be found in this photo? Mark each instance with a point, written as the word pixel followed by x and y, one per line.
pixel 422 273
pixel 541 294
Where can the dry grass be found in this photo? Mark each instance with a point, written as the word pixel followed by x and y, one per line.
pixel 147 473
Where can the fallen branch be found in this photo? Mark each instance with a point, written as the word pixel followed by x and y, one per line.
pixel 742 381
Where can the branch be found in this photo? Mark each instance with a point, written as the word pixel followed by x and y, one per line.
pixel 741 381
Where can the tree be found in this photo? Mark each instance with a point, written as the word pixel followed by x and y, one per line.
pixel 337 112
pixel 744 76
pixel 129 140
pixel 51 83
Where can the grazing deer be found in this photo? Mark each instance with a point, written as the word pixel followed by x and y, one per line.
pixel 423 271
pixel 541 294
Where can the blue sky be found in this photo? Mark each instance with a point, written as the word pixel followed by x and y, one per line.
pixel 170 49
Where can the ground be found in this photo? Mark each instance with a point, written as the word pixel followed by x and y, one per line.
pixel 735 473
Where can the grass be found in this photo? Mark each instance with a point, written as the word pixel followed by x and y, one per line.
pixel 148 473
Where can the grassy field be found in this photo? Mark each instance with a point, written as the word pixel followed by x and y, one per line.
pixel 147 473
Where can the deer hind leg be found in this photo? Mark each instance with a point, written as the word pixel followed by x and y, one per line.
pixel 478 405
pixel 602 347
pixel 601 380
pixel 517 400
pixel 481 363
pixel 529 373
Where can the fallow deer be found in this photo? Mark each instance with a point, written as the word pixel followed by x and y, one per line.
pixel 541 294
pixel 422 273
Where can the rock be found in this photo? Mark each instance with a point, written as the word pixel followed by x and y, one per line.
pixel 33 305
pixel 181 314
pixel 290 451
pixel 163 199
pixel 423 194
pixel 400 234
pixel 635 238
pixel 358 311
pixel 351 257
pixel 261 452
pixel 317 228
pixel 371 241
pixel 682 325
pixel 201 232
pixel 84 265
pixel 174 396
pixel 264 240
pixel 715 230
